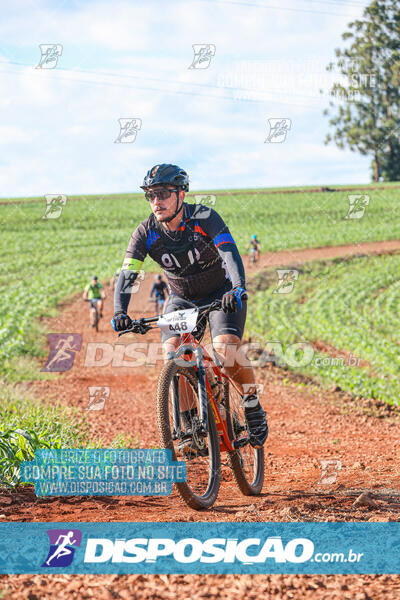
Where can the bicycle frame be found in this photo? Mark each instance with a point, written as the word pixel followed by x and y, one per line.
pixel 189 345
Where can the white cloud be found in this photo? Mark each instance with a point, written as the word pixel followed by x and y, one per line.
pixel 58 126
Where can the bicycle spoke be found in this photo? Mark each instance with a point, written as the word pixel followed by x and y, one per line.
pixel 247 463
pixel 197 465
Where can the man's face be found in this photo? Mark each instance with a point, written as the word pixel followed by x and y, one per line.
pixel 162 207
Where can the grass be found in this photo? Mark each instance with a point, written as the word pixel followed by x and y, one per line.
pixel 351 309
pixel 28 424
pixel 46 260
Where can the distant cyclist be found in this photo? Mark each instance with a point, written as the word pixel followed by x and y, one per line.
pixel 159 289
pixel 255 248
pixel 202 263
pixel 95 294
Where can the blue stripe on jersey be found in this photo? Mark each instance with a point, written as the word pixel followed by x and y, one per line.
pixel 152 236
pixel 223 238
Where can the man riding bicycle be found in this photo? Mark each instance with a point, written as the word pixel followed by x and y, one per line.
pixel 202 264
pixel 95 294
pixel 159 290
pixel 255 247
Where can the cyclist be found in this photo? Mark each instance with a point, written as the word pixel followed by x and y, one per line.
pixel 159 289
pixel 202 263
pixel 95 294
pixel 255 247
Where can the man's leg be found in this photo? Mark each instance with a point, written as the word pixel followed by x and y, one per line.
pixel 242 372
pixel 100 308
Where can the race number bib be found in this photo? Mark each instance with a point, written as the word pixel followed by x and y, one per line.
pixel 179 321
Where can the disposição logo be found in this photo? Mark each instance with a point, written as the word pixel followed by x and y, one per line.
pixel 62 550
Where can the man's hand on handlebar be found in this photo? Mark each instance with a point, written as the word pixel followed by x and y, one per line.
pixel 232 300
pixel 121 321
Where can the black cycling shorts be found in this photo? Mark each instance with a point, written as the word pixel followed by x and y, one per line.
pixel 93 302
pixel 220 323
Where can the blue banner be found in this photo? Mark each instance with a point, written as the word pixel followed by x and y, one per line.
pixel 103 472
pixel 200 548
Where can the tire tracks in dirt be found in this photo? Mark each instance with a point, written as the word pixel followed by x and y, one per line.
pixel 307 425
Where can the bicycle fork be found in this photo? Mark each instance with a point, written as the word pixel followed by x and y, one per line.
pixel 202 391
pixel 198 362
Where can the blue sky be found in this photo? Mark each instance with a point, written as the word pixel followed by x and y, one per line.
pixel 130 60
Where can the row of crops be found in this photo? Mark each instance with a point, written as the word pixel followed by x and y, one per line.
pixel 44 261
pixel 353 305
pixel 343 319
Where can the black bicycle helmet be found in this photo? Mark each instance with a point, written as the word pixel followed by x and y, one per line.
pixel 166 174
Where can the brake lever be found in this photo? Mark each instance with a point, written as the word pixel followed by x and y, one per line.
pixel 138 327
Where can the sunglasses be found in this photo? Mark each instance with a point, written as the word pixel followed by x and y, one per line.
pixel 162 194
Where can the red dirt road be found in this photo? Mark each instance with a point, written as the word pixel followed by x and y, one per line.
pixel 307 425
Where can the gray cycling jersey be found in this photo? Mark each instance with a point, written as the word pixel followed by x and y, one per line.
pixel 198 259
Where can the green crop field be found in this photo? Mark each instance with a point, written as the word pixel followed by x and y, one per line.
pixel 44 261
pixel 351 306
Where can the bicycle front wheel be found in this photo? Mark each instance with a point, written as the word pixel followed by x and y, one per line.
pixel 247 463
pixel 178 411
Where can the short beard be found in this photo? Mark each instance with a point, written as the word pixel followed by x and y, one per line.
pixel 161 219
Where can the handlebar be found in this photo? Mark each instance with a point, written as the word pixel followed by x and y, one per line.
pixel 142 325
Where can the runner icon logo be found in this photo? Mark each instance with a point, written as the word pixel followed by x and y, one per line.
pixel 97 397
pixel 203 54
pixel 286 280
pixel 357 206
pixel 63 347
pixel 61 552
pixel 54 205
pixel 128 129
pixel 50 54
pixel 278 129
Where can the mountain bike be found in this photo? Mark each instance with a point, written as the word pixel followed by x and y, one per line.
pixel 253 255
pixel 94 314
pixel 200 412
pixel 158 304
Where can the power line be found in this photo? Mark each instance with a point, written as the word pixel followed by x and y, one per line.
pixel 234 90
pixel 343 3
pixel 255 5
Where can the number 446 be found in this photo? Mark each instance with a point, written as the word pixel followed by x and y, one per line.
pixel 178 327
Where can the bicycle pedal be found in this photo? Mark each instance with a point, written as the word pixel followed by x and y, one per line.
pixel 240 442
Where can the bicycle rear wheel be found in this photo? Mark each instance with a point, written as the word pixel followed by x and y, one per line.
pixel 247 463
pixel 177 392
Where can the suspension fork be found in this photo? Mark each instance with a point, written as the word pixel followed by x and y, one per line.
pixel 201 374
pixel 176 417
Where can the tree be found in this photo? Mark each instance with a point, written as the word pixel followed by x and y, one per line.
pixel 367 118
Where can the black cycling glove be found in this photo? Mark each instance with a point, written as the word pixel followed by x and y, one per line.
pixel 232 300
pixel 121 321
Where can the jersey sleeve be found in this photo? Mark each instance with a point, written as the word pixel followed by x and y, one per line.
pixel 137 250
pixel 133 261
pixel 215 227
